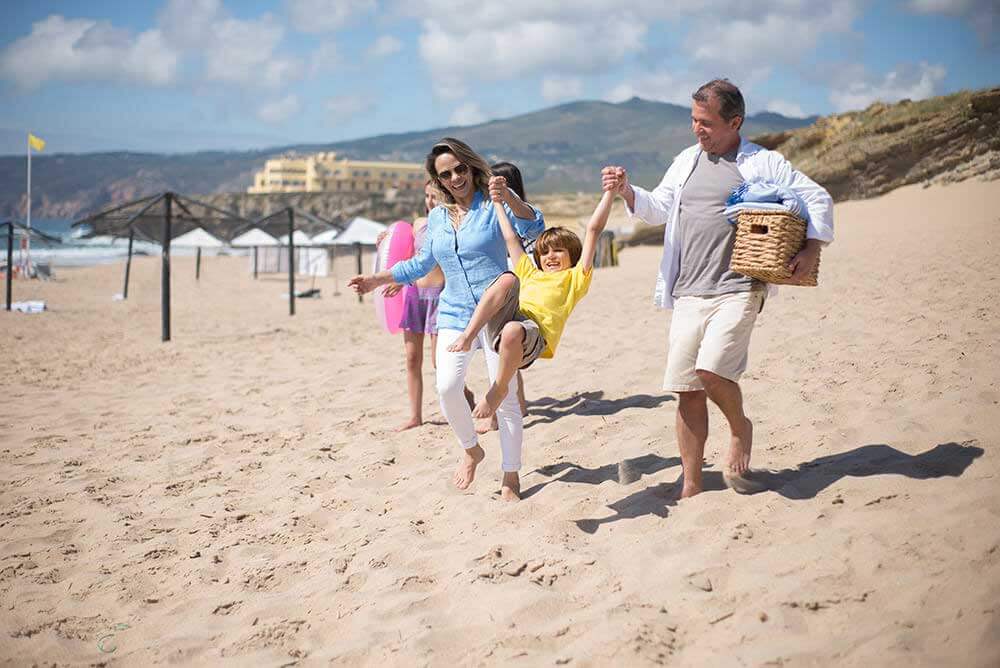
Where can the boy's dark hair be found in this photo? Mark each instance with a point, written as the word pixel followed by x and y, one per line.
pixel 509 171
pixel 558 237
pixel 730 98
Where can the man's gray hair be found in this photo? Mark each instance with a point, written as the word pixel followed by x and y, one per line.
pixel 730 98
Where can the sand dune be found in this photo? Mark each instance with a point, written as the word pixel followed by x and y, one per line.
pixel 239 495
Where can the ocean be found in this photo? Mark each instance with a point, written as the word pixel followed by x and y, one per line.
pixel 76 252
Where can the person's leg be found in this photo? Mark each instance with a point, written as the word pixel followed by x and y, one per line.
pixel 692 432
pixel 511 356
pixel 414 345
pixel 451 370
pixel 722 359
pixel 726 394
pixel 520 394
pixel 511 427
pixel 434 355
pixel 494 299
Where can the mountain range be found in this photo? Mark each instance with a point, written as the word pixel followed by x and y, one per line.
pixel 558 149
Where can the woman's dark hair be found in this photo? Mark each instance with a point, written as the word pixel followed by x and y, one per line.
pixel 509 171
pixel 730 98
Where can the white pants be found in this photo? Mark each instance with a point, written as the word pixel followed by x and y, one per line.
pixel 451 370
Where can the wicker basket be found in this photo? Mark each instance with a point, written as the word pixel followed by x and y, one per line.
pixel 766 241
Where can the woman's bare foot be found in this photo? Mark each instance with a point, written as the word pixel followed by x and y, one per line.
pixel 484 427
pixel 410 424
pixel 740 444
pixel 489 404
pixel 462 344
pixel 687 491
pixel 466 471
pixel 510 487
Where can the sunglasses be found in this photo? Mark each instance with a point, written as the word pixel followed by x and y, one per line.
pixel 459 170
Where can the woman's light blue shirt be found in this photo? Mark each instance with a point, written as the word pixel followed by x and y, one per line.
pixel 470 258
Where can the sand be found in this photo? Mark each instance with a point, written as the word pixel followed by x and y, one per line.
pixel 238 495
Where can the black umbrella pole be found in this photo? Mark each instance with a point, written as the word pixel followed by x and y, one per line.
pixel 197 264
pixel 10 262
pixel 291 262
pixel 165 269
pixel 357 248
pixel 128 263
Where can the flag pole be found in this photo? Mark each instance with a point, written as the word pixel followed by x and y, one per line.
pixel 27 242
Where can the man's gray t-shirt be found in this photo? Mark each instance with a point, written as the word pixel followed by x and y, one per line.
pixel 706 236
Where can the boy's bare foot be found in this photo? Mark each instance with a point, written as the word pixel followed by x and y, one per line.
pixel 740 444
pixel 410 424
pixel 489 404
pixel 462 344
pixel 466 471
pixel 470 398
pixel 510 487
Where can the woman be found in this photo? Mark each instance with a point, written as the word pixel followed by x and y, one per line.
pixel 464 239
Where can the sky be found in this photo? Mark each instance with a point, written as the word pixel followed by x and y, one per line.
pixel 187 75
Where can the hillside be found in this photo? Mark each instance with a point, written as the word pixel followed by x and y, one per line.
pixel 868 153
pixel 559 149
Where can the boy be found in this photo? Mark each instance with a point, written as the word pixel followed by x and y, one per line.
pixel 546 295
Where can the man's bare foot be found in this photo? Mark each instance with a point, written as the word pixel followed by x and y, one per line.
pixel 688 491
pixel 470 398
pixel 488 405
pixel 466 471
pixel 462 344
pixel 510 487
pixel 410 424
pixel 740 444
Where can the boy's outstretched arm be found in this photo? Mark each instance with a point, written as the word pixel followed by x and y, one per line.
pixel 514 248
pixel 598 220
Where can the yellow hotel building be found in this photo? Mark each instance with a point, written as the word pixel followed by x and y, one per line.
pixel 323 172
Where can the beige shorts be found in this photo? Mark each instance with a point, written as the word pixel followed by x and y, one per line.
pixel 711 334
pixel 534 343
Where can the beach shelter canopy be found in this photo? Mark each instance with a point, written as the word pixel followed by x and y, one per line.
pixel 300 238
pixel 197 238
pixel 360 230
pixel 309 224
pixel 19 230
pixel 324 238
pixel 254 237
pixel 146 217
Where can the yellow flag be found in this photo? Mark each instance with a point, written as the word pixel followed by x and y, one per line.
pixel 36 143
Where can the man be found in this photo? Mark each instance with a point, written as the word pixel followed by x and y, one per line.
pixel 714 308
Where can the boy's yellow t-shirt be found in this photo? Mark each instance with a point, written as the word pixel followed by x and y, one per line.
pixel 548 297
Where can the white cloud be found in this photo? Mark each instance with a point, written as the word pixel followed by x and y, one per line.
pixel 277 111
pixel 856 89
pixel 319 16
pixel 984 15
pixel 326 57
pixel 467 114
pixel 386 45
pixel 243 53
pixel 475 50
pixel 660 85
pixel 342 109
pixel 61 49
pixel 785 108
pixel 557 89
pixel 188 24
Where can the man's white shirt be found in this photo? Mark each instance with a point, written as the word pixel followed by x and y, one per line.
pixel 754 162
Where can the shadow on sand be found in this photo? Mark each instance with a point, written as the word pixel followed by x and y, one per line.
pixel 549 409
pixel 625 472
pixel 807 479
